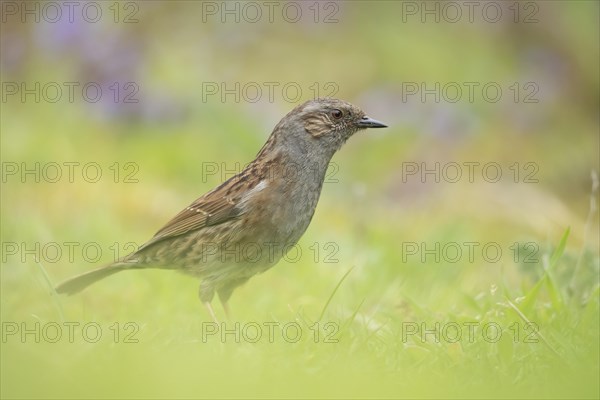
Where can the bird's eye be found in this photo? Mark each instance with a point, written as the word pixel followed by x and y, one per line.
pixel 337 114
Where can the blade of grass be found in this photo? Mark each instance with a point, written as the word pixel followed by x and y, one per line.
pixel 53 293
pixel 531 296
pixel 537 332
pixel 547 279
pixel 586 230
pixel 555 294
pixel 353 316
pixel 333 294
pixel 558 252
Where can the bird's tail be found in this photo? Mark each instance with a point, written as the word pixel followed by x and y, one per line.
pixel 77 283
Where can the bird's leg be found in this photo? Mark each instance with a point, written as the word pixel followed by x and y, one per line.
pixel 211 312
pixel 206 293
pixel 225 292
pixel 224 295
pixel 226 309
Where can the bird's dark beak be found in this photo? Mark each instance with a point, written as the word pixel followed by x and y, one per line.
pixel 366 122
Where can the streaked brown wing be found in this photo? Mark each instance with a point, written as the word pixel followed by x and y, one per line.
pixel 198 215
pixel 211 209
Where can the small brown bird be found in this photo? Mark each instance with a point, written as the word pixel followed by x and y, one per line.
pixel 245 225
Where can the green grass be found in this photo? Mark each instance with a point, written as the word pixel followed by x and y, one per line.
pixel 369 329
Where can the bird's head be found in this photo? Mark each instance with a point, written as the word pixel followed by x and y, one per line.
pixel 321 126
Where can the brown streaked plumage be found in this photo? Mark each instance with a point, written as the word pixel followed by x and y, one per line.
pixel 246 224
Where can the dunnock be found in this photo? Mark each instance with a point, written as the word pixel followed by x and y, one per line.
pixel 246 224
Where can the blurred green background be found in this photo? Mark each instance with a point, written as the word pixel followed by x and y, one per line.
pixel 188 86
